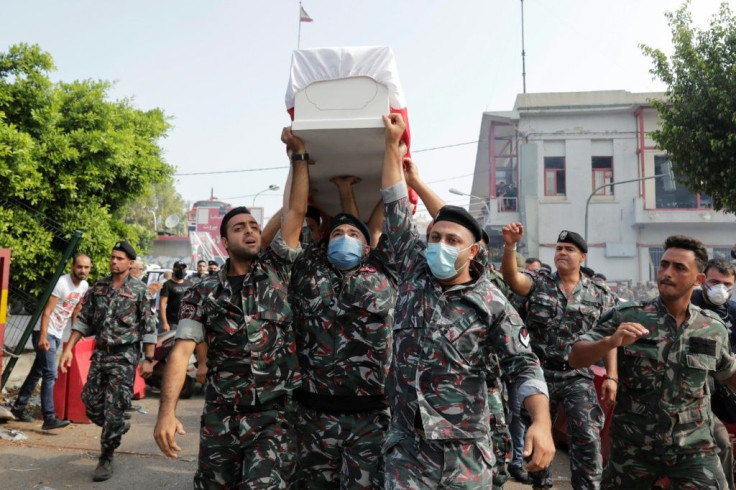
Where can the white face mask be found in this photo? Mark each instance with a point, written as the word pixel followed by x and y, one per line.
pixel 718 294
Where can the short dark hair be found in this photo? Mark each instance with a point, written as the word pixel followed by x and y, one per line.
pixel 76 256
pixel 531 260
pixel 721 265
pixel 226 219
pixel 200 261
pixel 689 243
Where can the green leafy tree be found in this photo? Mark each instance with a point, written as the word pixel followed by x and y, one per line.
pixel 75 156
pixel 698 115
pixel 162 200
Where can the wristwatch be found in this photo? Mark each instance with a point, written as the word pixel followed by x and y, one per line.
pixel 300 157
pixel 149 358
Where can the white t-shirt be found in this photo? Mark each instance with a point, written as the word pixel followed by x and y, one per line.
pixel 69 296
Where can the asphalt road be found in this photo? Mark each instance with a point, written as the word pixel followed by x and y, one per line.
pixel 66 458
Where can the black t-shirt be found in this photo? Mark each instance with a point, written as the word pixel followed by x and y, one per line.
pixel 175 292
pixel 727 312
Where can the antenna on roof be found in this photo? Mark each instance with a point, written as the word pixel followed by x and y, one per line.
pixel 523 52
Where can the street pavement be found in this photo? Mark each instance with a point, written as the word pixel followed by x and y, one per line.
pixel 66 458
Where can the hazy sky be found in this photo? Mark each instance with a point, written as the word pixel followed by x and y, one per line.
pixel 219 69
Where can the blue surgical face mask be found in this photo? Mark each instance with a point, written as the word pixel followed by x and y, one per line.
pixel 345 252
pixel 441 260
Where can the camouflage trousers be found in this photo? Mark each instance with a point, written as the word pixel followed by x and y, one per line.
pixel 340 450
pixel 500 437
pixel 584 424
pixel 243 450
pixel 106 395
pixel 415 463
pixel 632 467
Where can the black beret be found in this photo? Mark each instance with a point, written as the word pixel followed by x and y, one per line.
pixel 461 216
pixel 485 237
pixel 226 219
pixel 349 219
pixel 574 238
pixel 179 263
pixel 212 262
pixel 587 271
pixel 598 275
pixel 313 213
pixel 126 248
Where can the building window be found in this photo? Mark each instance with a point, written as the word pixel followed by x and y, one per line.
pixel 722 253
pixel 602 175
pixel 670 194
pixel 655 256
pixel 554 176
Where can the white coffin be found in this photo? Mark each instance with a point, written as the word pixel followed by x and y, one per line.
pixel 338 96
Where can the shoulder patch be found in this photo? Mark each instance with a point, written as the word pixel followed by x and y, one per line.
pixel 711 314
pixel 524 337
pixel 629 304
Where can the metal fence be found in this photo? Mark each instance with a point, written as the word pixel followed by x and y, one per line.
pixel 25 309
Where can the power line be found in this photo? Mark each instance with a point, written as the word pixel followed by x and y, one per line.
pixel 216 172
pixel 231 171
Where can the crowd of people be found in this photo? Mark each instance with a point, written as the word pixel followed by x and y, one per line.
pixel 350 352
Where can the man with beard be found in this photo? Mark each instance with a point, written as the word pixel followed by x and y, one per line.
pixel 450 321
pixel 715 296
pixel 343 297
pixel 46 339
pixel 560 307
pixel 171 294
pixel 115 310
pixel 201 272
pixel 667 349
pixel 243 315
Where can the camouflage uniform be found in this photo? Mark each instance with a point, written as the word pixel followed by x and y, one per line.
pixel 252 364
pixel 120 319
pixel 554 322
pixel 497 405
pixel 343 335
pixel 662 419
pixel 442 358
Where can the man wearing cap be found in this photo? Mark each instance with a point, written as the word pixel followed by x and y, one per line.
pixel 244 316
pixel 172 292
pixel 116 311
pixel 449 322
pixel 561 306
pixel 343 297
pixel 213 268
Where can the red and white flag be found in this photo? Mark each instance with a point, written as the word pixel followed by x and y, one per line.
pixel 303 15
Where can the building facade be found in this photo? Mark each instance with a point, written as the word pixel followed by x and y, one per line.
pixel 547 164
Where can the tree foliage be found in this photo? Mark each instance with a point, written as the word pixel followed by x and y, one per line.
pixel 76 157
pixel 698 115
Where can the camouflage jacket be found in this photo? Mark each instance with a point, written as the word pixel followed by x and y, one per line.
pixel 343 322
pixel 117 316
pixel 444 340
pixel 662 402
pixel 554 322
pixel 252 351
pixel 493 276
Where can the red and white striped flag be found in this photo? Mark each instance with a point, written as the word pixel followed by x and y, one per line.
pixel 303 15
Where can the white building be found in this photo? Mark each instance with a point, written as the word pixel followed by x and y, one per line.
pixel 554 149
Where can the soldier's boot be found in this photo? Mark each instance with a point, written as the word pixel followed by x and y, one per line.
pixel 104 466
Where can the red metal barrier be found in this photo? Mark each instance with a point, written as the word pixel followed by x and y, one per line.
pixel 4 280
pixel 559 427
pixel 68 388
